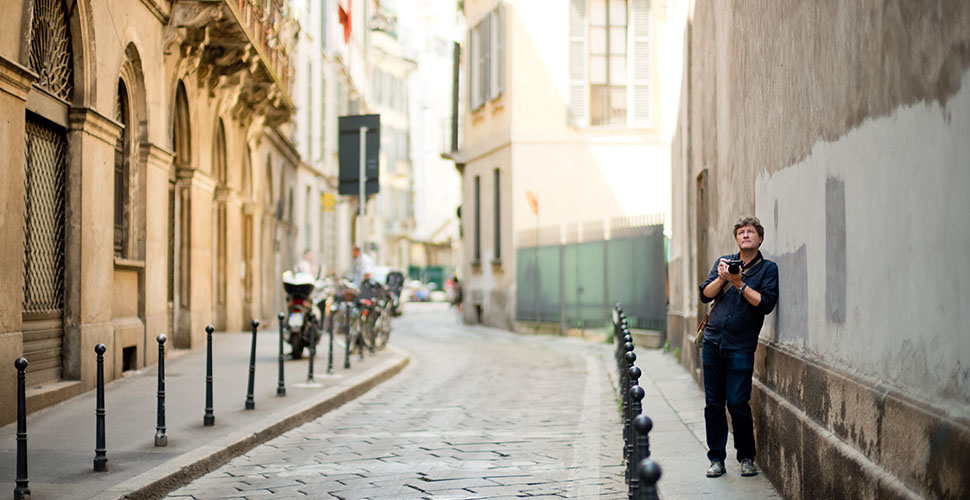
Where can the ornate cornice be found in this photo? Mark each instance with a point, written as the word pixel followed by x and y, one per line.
pixel 15 79
pixel 93 123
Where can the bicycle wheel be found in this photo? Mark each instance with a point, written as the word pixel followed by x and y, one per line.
pixel 353 330
pixel 384 327
pixel 369 329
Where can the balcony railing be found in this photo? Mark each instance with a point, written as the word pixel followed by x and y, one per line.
pixel 264 22
pixel 238 46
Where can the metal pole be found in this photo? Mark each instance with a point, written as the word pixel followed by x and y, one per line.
pixel 362 199
pixel 100 452
pixel 649 473
pixel 348 310
pixel 21 492
pixel 280 388
pixel 313 353
pixel 633 458
pixel 333 319
pixel 250 403
pixel 209 419
pixel 160 438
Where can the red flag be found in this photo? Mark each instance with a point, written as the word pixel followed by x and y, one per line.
pixel 533 202
pixel 343 8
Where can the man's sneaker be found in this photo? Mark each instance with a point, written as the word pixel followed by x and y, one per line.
pixel 748 468
pixel 716 469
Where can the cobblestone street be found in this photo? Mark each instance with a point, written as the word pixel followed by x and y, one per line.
pixel 479 413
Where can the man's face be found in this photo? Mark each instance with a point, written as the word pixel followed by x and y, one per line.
pixel 748 238
pixel 356 253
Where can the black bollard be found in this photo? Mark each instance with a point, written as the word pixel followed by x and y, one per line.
pixel 209 419
pixel 21 492
pixel 333 317
pixel 649 473
pixel 348 311
pixel 632 459
pixel 632 410
pixel 280 388
pixel 160 438
pixel 642 425
pixel 250 403
pixel 100 453
pixel 313 353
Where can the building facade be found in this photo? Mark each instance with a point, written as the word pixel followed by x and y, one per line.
pixel 188 101
pixel 563 122
pixel 843 128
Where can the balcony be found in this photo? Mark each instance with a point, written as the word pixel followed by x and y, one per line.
pixel 241 47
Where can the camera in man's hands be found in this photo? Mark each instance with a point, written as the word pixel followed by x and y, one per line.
pixel 734 266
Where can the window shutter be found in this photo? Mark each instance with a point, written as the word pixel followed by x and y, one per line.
pixel 499 51
pixel 641 71
pixel 485 30
pixel 578 94
pixel 471 61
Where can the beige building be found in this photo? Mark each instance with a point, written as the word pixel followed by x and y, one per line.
pixel 562 102
pixel 187 101
pixel 390 221
pixel 844 128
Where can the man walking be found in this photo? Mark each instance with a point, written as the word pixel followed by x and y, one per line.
pixel 744 287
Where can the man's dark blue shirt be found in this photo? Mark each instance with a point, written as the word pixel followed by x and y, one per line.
pixel 735 323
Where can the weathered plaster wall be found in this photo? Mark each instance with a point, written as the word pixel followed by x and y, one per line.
pixel 843 126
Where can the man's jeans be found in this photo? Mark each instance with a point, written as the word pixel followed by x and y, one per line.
pixel 727 379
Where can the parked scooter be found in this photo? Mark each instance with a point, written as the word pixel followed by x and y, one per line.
pixel 395 284
pixel 303 316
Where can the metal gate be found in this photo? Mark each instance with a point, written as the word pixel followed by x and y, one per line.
pixel 43 250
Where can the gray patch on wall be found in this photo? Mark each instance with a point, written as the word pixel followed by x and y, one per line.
pixel 792 306
pixel 835 249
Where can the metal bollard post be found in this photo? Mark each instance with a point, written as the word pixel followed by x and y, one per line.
pixel 632 410
pixel 21 491
pixel 280 388
pixel 632 459
pixel 641 448
pixel 100 453
pixel 250 403
pixel 348 312
pixel 160 438
pixel 313 353
pixel 649 473
pixel 209 419
pixel 333 319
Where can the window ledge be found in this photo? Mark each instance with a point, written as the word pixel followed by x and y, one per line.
pixel 476 265
pixel 497 263
pixel 131 264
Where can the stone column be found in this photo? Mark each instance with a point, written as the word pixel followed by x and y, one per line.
pixel 159 163
pixel 89 248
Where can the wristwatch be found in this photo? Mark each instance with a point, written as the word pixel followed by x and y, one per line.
pixel 743 286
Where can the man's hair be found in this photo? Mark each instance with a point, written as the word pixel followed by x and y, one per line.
pixel 749 221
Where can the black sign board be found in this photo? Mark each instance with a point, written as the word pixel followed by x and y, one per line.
pixel 348 145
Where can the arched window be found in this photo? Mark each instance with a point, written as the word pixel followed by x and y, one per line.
pixel 182 144
pixel 45 187
pixel 122 195
pixel 222 174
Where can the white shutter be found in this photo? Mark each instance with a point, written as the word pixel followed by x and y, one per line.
pixel 642 99
pixel 578 88
pixel 471 61
pixel 485 36
pixel 498 53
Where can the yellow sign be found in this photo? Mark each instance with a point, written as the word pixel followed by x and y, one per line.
pixel 327 201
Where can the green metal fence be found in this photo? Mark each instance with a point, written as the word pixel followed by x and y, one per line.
pixel 576 284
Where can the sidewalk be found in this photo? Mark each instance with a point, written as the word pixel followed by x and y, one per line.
pixel 675 403
pixel 61 439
